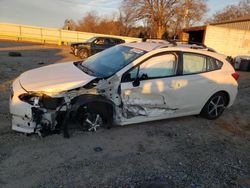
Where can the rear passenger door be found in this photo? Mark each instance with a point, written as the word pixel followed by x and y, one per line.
pixel 109 42
pixel 199 72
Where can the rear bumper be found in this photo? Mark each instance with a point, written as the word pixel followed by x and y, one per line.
pixel 233 95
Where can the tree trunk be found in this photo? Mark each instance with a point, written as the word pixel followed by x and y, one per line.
pixel 160 31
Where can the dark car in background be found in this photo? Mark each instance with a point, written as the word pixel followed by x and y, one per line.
pixel 93 46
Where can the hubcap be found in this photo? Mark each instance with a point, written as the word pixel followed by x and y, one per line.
pixel 84 54
pixel 216 106
pixel 92 121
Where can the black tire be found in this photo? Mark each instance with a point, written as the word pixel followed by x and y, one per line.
pixel 90 119
pixel 215 106
pixel 83 53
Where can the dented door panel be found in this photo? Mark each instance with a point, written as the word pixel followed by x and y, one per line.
pixel 151 98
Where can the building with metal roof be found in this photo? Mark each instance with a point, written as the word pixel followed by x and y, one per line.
pixel 231 38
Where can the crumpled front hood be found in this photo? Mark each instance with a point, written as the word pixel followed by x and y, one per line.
pixel 54 78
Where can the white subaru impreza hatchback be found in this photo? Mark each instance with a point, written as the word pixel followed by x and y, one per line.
pixel 125 84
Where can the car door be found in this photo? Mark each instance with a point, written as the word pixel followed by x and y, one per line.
pixel 149 89
pixel 199 72
pixel 109 42
pixel 98 45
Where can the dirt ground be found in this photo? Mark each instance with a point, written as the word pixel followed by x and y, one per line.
pixel 182 152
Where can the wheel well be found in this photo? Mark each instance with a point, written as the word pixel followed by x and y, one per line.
pixel 226 95
pixel 104 108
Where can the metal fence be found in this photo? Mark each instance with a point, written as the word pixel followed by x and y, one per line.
pixel 48 35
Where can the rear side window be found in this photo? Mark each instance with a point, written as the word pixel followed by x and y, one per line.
pixel 193 63
pixel 196 63
pixel 110 41
pixel 213 64
pixel 114 41
pixel 121 41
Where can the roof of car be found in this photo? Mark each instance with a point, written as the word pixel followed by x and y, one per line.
pixel 160 44
pixel 146 46
pixel 150 45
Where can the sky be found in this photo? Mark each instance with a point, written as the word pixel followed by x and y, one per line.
pixel 52 13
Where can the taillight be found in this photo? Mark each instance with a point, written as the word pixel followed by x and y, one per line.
pixel 236 75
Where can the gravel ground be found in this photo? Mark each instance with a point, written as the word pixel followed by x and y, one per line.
pixel 182 152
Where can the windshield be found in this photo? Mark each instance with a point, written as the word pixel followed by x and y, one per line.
pixel 110 61
pixel 90 40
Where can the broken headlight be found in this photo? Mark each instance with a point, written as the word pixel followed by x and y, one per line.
pixel 42 100
pixel 30 98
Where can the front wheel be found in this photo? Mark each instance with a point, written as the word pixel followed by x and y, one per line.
pixel 83 53
pixel 215 106
pixel 90 120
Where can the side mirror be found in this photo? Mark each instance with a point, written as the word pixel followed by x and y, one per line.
pixel 136 82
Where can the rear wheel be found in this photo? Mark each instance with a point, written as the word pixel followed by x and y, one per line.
pixel 83 53
pixel 215 106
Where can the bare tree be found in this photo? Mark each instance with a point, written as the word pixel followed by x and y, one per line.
pixel 232 12
pixel 158 12
pixel 153 18
pixel 126 20
pixel 92 22
pixel 188 13
pixel 89 22
pixel 162 14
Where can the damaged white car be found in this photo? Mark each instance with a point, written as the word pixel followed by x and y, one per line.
pixel 125 84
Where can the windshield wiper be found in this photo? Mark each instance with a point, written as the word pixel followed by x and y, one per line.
pixel 87 70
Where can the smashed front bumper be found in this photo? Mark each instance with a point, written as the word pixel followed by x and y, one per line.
pixel 27 118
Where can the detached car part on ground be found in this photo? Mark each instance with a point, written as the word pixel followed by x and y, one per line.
pixel 126 84
pixel 93 46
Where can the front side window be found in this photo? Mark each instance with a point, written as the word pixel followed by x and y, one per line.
pixel 99 41
pixel 156 67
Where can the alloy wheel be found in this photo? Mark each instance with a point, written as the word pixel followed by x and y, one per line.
pixel 216 106
pixel 92 121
